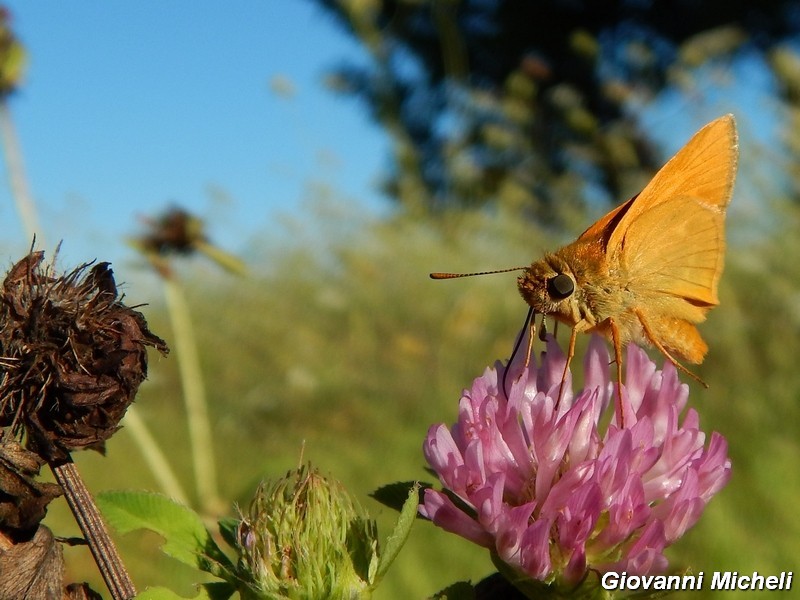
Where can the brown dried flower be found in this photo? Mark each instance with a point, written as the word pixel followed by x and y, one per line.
pixel 72 356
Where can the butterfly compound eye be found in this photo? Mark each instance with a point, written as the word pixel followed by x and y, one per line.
pixel 560 286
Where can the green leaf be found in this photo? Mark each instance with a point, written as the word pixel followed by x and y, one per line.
pixel 185 537
pixel 461 590
pixel 228 529
pixel 219 590
pixel 394 495
pixel 400 533
pixel 162 593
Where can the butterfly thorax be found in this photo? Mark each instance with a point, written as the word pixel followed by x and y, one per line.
pixel 585 300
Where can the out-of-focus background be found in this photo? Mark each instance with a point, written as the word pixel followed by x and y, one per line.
pixel 343 149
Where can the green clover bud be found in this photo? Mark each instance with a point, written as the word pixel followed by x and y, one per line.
pixel 305 538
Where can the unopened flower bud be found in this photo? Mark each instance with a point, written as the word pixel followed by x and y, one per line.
pixel 304 537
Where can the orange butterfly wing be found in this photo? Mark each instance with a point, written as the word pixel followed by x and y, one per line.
pixel 676 248
pixel 671 238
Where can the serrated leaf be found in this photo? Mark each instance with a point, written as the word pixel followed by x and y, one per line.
pixel 399 535
pixel 185 537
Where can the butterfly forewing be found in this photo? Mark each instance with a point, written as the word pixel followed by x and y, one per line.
pixel 704 169
pixel 670 239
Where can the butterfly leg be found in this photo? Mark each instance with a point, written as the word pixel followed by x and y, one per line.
pixel 654 340
pixel 615 338
pixel 531 324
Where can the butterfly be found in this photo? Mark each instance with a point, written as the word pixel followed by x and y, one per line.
pixel 649 270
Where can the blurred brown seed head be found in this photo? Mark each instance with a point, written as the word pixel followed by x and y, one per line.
pixel 12 56
pixel 176 231
pixel 72 356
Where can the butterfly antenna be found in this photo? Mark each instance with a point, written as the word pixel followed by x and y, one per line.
pixel 457 275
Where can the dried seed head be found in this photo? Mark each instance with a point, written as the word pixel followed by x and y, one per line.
pixel 72 356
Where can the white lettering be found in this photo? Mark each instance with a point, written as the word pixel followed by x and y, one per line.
pixel 731 580
pixel 722 581
pixel 757 582
pixel 686 582
pixel 623 581
pixel 610 580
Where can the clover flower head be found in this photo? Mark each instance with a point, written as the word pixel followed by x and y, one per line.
pixel 555 488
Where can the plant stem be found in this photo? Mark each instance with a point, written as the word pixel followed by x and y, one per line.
pixel 94 529
pixel 16 175
pixel 153 456
pixel 194 396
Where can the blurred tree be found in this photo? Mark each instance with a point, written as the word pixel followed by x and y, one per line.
pixel 531 103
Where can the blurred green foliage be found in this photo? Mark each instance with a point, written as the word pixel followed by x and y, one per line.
pixel 341 349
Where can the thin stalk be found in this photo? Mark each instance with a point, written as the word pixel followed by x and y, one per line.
pixel 94 529
pixel 16 175
pixel 156 460
pixel 194 396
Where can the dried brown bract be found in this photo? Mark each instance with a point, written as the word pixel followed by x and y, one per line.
pixel 72 356
pixel 33 568
pixel 23 500
pixel 80 591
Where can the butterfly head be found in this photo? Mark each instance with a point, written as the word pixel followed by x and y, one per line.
pixel 549 287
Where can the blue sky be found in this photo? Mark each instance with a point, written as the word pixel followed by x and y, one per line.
pixel 129 106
